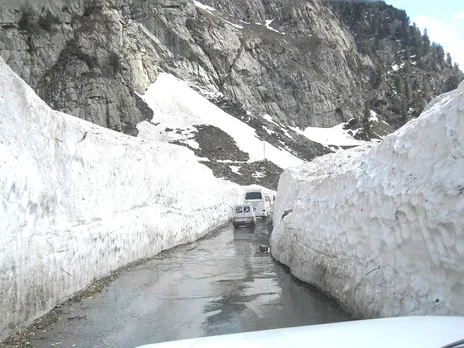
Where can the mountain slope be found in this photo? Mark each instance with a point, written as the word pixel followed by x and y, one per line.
pixel 302 63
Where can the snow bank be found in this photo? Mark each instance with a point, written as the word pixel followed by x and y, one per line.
pixel 78 201
pixel 381 227
pixel 177 106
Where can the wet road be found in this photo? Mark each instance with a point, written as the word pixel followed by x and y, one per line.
pixel 218 285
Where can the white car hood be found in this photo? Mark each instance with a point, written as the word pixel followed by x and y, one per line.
pixel 423 332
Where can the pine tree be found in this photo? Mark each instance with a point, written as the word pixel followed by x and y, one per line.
pixel 425 43
pixel 426 89
pixel 449 61
pixel 452 82
pixel 366 47
pixel 399 83
pixel 440 54
pixel 365 120
pixel 407 89
pixel 404 111
pixel 406 68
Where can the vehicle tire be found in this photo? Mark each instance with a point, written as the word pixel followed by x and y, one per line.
pixel 236 226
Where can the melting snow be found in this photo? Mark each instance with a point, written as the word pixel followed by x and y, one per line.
pixel 287 133
pixel 268 25
pixel 270 132
pixel 269 119
pixel 329 136
pixel 232 24
pixel 373 116
pixel 203 6
pixel 176 105
pixel 235 169
pixel 387 219
pixel 395 67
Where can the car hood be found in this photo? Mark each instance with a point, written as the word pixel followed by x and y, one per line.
pixel 423 332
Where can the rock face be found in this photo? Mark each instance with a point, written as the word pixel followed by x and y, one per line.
pixel 381 228
pixel 298 61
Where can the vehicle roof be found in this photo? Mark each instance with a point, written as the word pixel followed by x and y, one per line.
pixel 411 332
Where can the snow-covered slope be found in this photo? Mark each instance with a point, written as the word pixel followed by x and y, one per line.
pixel 381 227
pixel 78 201
pixel 336 136
pixel 176 106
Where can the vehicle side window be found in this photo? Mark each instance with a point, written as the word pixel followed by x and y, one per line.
pixel 246 209
pixel 238 210
pixel 253 195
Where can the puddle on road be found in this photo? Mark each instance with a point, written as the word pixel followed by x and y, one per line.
pixel 220 284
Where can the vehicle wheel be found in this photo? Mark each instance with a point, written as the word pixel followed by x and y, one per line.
pixel 236 226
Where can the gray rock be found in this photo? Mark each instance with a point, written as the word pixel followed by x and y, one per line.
pixel 90 57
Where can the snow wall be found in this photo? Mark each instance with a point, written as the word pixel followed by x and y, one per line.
pixel 77 201
pixel 381 228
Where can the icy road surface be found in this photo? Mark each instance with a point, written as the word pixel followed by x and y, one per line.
pixel 221 284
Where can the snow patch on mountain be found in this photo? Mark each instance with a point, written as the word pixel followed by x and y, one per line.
pixel 381 227
pixel 335 136
pixel 176 106
pixel 203 6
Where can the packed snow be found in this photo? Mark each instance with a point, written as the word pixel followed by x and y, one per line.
pixel 203 6
pixel 268 131
pixel 176 105
pixel 78 201
pixel 238 26
pixel 269 119
pixel 336 136
pixel 268 23
pixel 381 227
pixel 373 116
pixel 235 169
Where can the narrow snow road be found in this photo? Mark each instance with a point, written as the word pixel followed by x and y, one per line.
pixel 218 285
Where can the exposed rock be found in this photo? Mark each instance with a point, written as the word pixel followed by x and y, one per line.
pixel 306 67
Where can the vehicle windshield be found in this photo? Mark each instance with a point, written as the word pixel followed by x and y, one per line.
pixel 246 209
pixel 253 195
pixel 238 210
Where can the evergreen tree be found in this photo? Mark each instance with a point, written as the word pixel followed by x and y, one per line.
pixel 399 83
pixel 440 54
pixel 365 120
pixel 406 54
pixel 451 83
pixel 366 47
pixel 449 61
pixel 404 110
pixel 425 43
pixel 407 89
pixel 406 68
pixel 426 89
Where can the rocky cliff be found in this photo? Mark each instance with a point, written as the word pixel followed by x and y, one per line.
pixel 305 63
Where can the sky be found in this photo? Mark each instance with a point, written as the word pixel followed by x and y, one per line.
pixel 444 20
